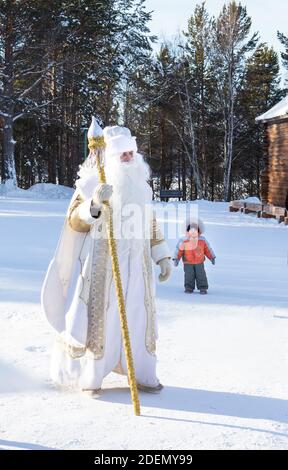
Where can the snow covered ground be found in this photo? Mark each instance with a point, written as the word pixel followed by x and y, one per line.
pixel 223 358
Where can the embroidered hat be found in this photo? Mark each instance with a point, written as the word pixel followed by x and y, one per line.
pixel 118 139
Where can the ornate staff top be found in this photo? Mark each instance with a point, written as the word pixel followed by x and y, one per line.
pixel 95 135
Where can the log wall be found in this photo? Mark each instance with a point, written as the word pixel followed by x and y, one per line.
pixel 274 179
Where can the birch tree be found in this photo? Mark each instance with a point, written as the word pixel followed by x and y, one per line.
pixel 231 45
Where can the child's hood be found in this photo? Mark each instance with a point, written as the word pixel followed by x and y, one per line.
pixel 195 223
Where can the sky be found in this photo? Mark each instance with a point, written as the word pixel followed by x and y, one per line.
pixel 268 16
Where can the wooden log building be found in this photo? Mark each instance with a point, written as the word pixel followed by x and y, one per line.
pixel 274 177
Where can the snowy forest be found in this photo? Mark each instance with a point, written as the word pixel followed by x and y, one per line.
pixel 192 103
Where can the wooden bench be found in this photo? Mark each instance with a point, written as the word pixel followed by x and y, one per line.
pixel 267 212
pixel 280 213
pixel 253 207
pixel 236 206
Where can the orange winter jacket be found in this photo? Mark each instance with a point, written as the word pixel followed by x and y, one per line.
pixel 190 255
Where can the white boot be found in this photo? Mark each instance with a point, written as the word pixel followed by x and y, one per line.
pixel 148 389
pixel 92 392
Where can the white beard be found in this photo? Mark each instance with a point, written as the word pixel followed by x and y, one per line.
pixel 132 194
pixel 129 179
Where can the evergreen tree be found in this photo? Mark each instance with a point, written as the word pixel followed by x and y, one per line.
pixel 284 41
pixel 61 62
pixel 28 36
pixel 198 54
pixel 260 91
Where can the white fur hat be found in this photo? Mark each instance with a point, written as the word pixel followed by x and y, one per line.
pixel 195 223
pixel 118 139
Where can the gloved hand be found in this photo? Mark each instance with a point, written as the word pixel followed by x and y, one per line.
pixel 102 192
pixel 175 261
pixel 166 269
pixel 213 260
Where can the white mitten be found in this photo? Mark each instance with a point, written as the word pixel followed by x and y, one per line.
pixel 102 192
pixel 166 269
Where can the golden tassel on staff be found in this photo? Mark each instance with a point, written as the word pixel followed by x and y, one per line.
pixel 96 145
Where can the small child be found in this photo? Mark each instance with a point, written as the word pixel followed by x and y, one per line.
pixel 192 249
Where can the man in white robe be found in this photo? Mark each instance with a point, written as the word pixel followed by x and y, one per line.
pixel 78 294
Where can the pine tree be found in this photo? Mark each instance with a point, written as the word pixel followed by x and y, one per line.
pixel 161 116
pixel 198 53
pixel 60 63
pixel 260 91
pixel 26 60
pixel 284 41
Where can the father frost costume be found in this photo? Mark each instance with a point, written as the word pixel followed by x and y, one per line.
pixel 78 294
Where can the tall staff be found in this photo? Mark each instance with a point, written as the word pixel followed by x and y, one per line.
pixel 96 145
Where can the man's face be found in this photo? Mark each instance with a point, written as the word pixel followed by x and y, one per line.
pixel 127 156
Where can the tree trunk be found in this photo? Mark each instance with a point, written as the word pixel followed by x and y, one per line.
pixel 229 138
pixel 184 176
pixel 8 172
pixel 8 168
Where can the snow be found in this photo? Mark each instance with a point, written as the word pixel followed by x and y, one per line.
pixel 280 109
pixel 222 357
pixel 253 199
pixel 38 190
pixel 8 187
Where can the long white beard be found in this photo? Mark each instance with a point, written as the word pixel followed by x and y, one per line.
pixel 129 179
pixel 132 195
pixel 131 198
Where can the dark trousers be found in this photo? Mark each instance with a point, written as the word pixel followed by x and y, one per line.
pixel 195 272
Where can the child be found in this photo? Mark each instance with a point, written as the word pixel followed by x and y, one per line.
pixel 192 249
